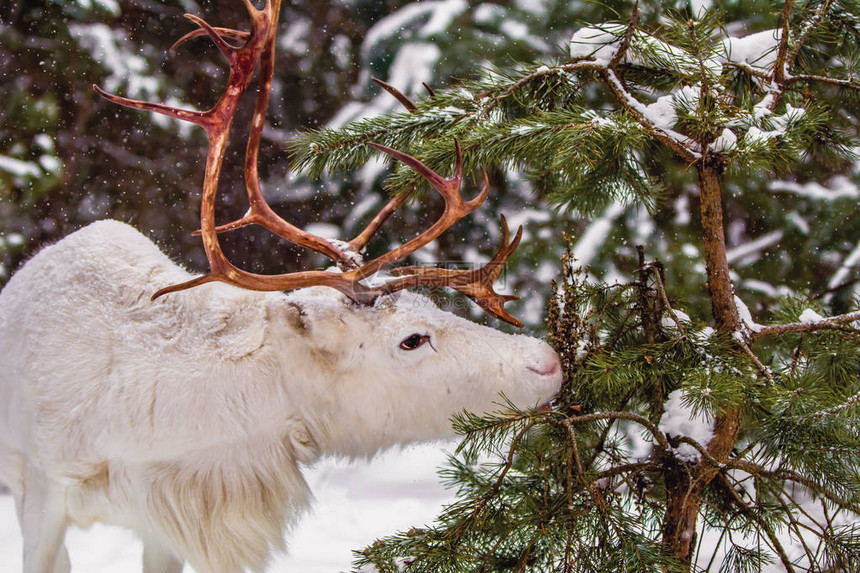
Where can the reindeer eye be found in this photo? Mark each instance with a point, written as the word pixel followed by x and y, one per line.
pixel 413 341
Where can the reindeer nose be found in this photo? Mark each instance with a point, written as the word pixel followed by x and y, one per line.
pixel 553 367
pixel 545 362
pixel 548 369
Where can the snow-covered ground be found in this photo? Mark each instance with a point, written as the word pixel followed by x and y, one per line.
pixel 357 502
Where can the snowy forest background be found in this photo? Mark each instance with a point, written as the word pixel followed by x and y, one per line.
pixel 68 158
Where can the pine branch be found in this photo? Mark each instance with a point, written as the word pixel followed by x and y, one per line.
pixel 839 322
pixel 482 502
pixel 681 145
pixel 541 72
pixel 489 432
pixel 785 474
pixel 852 401
pixel 849 83
pixel 785 60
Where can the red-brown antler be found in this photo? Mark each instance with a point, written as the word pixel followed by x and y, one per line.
pixel 257 48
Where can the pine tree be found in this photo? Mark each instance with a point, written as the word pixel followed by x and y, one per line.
pixel 771 474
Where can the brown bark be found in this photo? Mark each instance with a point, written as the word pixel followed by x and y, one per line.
pixel 716 263
pixel 685 484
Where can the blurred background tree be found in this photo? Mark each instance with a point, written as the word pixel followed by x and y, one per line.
pixel 68 158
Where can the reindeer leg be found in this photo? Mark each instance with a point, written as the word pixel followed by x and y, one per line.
pixel 159 559
pixel 42 515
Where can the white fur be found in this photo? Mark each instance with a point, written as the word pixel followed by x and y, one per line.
pixel 187 418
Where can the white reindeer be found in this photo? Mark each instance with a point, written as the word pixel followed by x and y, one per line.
pixel 187 418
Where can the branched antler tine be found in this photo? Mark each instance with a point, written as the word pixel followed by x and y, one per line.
pixel 260 212
pixel 197 117
pixel 434 178
pixel 455 209
pixel 252 10
pixel 223 32
pixel 494 307
pixel 475 284
pixel 184 286
pixel 258 51
pixel 247 219
pixel 493 269
pixel 398 95
pixel 226 49
pixel 430 91
pixel 359 242
pixel 458 164
pixel 482 195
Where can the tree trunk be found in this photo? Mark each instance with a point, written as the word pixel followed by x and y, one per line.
pixel 713 237
pixel 684 485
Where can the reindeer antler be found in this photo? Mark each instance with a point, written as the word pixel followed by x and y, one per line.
pixel 257 49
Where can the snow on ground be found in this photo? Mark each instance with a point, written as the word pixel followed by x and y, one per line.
pixel 357 502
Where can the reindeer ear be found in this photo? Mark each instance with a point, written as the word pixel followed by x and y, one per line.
pixel 282 314
pixel 321 322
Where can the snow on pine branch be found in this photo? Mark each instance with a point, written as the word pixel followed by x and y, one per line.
pixel 600 43
pixel 681 420
pixel 808 321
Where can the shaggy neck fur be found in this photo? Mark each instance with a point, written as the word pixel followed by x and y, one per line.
pixel 225 509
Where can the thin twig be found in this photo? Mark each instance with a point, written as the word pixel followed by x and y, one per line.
pixel 794 523
pixel 784 474
pixel 850 84
pixel 661 289
pixel 699 448
pixel 659 436
pixel 599 501
pixel 782 50
pixel 746 510
pixel 808 26
pixel 755 360
pixel 838 322
pixel 597 448
pixel 836 409
pixel 625 468
pixel 748 69
pixel 621 52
